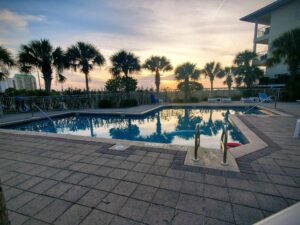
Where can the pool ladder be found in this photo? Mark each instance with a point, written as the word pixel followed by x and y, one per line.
pixel 223 143
pixel 44 113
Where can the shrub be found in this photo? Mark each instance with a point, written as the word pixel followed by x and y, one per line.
pixel 130 102
pixel 118 84
pixel 178 100
pixel 105 103
pixel 194 99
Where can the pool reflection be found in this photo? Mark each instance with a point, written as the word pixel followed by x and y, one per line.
pixel 170 126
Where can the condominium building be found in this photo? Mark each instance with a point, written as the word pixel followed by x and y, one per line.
pixel 25 81
pixel 270 22
pixel 7 83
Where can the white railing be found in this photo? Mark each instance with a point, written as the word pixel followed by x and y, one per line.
pixel 263 31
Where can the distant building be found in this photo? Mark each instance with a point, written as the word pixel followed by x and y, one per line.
pixel 271 22
pixel 25 81
pixel 7 83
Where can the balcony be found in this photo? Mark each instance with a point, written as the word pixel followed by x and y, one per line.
pixel 262 36
pixel 261 59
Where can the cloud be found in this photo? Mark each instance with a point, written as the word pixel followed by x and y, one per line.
pixel 18 21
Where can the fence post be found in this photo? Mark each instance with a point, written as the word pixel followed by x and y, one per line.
pixel 1 108
pixel 3 211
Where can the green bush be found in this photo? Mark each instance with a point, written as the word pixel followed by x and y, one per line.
pixel 105 103
pixel 194 99
pixel 128 102
pixel 178 100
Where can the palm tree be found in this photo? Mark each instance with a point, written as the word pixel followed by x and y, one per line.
pixel 38 54
pixel 244 70
pixel 6 61
pixel 287 48
pixel 61 79
pixel 212 70
pixel 157 64
pixel 84 56
pixel 184 73
pixel 124 63
pixel 59 62
pixel 228 77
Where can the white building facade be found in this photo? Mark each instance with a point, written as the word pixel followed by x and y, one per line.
pixel 271 22
pixel 7 83
pixel 25 81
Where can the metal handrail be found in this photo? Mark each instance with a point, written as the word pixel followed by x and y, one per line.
pixel 223 143
pixel 44 113
pixel 197 141
pixel 267 99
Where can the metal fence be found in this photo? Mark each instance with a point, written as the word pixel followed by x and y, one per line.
pixel 63 102
pixel 55 103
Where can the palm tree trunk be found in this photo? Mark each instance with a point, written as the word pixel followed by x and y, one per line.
pixel 157 81
pixel 186 88
pixel 211 85
pixel 3 211
pixel 47 84
pixel 127 85
pixel 87 82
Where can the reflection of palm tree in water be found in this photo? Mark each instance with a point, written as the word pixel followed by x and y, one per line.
pixel 211 127
pixel 130 131
pixel 158 136
pixel 90 120
pixel 187 123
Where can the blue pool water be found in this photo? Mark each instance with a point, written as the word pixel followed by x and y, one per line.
pixel 173 125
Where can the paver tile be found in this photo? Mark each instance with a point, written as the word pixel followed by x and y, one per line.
pixel 53 210
pixel 92 198
pixel 73 216
pixel 112 203
pixel 34 206
pixel 187 218
pixel 158 215
pixel 134 209
pixel 125 188
pixel 166 197
pixel 245 215
pixel 97 217
pixel 143 192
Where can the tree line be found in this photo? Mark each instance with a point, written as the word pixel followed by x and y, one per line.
pixel 84 57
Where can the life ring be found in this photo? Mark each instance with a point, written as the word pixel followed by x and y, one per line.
pixel 233 144
pixel 24 108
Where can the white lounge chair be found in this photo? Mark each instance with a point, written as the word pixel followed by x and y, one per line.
pixel 249 100
pixel 214 100
pixel 226 100
pixel 297 129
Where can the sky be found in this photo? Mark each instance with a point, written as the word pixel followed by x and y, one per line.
pixel 198 31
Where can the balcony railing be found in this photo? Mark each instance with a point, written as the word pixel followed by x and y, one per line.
pixel 261 58
pixel 263 31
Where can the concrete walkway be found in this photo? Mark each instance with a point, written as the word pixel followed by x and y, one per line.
pixel 63 182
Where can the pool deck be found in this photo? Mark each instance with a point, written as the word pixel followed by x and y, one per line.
pixel 51 180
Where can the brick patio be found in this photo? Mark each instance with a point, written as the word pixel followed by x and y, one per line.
pixel 56 181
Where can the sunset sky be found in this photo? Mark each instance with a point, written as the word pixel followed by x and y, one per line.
pixel 198 31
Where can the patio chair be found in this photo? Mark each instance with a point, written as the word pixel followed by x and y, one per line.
pixel 214 100
pixel 153 99
pixel 226 100
pixel 263 97
pixel 250 100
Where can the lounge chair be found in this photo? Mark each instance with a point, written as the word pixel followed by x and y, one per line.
pixel 214 100
pixel 249 100
pixel 153 99
pixel 297 129
pixel 263 97
pixel 226 100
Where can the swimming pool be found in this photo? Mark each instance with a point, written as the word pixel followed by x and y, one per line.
pixel 169 125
